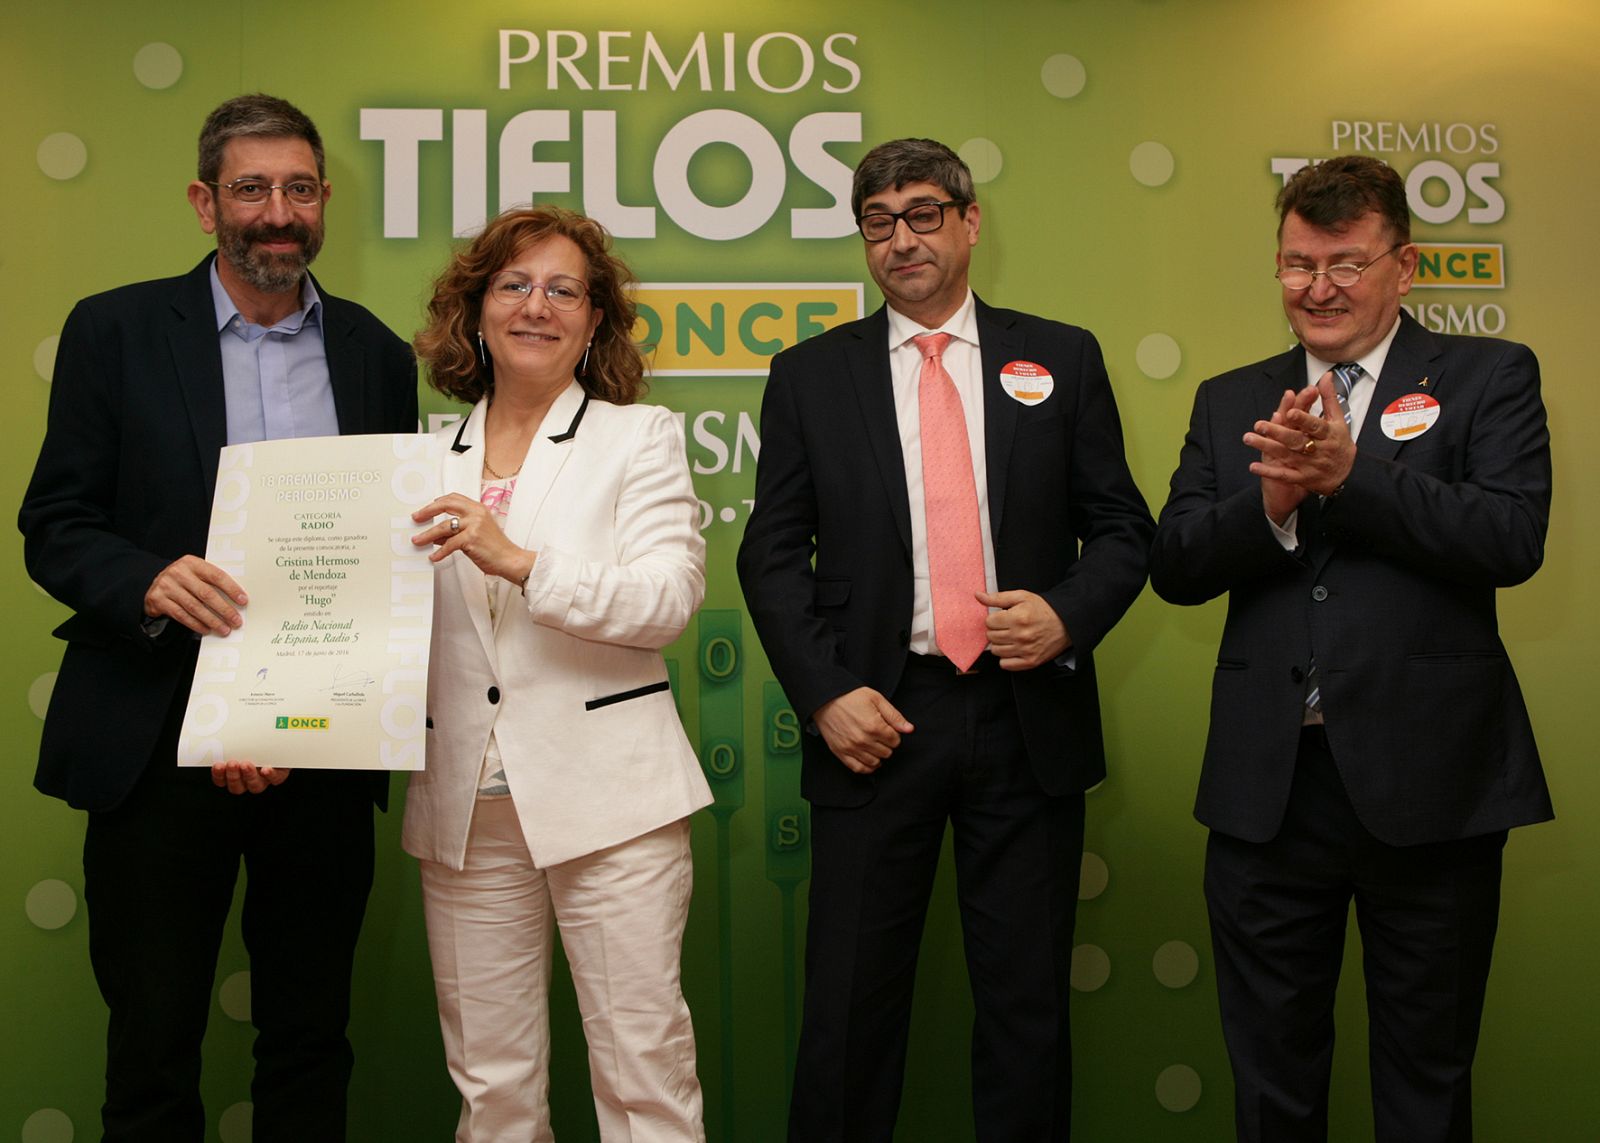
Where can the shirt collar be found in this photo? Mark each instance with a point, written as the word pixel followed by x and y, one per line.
pixel 962 325
pixel 1371 362
pixel 310 310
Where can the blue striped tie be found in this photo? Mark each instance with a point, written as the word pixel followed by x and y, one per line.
pixel 1345 376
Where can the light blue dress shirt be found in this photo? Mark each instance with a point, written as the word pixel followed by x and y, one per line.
pixel 275 379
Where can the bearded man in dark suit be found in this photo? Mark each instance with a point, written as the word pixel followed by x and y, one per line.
pixel 151 381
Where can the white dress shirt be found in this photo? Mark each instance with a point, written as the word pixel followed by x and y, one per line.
pixel 1360 398
pixel 964 363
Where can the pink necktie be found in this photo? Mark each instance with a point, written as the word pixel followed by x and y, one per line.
pixel 950 493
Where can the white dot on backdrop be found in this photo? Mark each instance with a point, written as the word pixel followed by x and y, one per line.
pixel 47 1125
pixel 234 996
pixel 1175 964
pixel 728 515
pixel 983 157
pixel 1178 1087
pixel 44 356
pixel 1092 876
pixel 39 693
pixel 233 1125
pixel 1091 967
pixel 1158 356
pixel 51 904
pixel 62 155
pixel 1063 76
pixel 157 65
pixel 1151 164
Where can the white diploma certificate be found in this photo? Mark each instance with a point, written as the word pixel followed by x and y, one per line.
pixel 330 668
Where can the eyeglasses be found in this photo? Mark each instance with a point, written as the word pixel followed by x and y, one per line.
pixel 924 218
pixel 562 292
pixel 256 192
pixel 1343 275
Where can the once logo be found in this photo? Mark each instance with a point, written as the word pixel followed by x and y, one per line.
pixel 287 723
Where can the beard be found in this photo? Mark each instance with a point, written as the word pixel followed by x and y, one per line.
pixel 271 273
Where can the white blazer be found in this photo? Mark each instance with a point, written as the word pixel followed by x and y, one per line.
pixel 570 678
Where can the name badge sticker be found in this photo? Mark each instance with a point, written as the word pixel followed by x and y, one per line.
pixel 1026 382
pixel 1409 416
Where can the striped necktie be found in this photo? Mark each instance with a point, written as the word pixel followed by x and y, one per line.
pixel 1345 376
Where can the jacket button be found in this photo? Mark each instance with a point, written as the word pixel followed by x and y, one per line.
pixel 494 695
pixel 1296 675
pixel 1319 593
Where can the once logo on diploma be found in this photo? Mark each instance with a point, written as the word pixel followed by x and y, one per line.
pixel 330 668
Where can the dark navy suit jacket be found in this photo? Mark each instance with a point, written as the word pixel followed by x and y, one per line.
pixel 123 487
pixel 1066 519
pixel 1392 590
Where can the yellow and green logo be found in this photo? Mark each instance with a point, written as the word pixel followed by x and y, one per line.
pixel 287 722
pixel 733 329
pixel 1461 265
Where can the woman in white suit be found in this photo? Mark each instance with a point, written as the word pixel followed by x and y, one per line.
pixel 559 780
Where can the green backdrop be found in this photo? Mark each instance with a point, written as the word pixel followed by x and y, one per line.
pixel 1128 152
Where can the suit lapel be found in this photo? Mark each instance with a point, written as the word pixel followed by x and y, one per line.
pixel 873 385
pixel 463 468
pixel 346 362
pixel 548 453
pixel 197 360
pixel 1411 356
pixel 998 344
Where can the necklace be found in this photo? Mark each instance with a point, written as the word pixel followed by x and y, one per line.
pixel 487 467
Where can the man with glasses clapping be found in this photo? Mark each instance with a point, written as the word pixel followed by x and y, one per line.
pixel 1359 499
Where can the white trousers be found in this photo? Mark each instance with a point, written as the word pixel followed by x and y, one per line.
pixel 621 914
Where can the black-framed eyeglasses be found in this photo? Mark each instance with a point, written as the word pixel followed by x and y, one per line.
pixel 256 192
pixel 512 289
pixel 924 218
pixel 1343 275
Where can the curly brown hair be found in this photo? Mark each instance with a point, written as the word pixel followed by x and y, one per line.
pixel 448 345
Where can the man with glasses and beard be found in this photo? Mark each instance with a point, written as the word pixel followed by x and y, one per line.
pixel 151 380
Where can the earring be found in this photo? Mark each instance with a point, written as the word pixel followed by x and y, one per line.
pixel 483 354
pixel 583 366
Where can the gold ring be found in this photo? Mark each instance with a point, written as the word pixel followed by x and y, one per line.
pixel 1309 447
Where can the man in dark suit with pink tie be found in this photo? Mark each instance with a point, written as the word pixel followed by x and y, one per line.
pixel 944 530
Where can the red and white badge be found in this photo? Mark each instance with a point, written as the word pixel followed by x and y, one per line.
pixel 1027 382
pixel 1409 416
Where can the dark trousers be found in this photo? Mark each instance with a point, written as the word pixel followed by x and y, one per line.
pixel 159 875
pixel 1017 856
pixel 1427 915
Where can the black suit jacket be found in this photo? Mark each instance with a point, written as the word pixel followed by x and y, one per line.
pixel 123 487
pixel 1392 590
pixel 1066 517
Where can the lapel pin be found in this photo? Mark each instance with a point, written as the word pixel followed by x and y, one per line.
pixel 1423 384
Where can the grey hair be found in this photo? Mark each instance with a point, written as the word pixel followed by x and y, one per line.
pixel 254 116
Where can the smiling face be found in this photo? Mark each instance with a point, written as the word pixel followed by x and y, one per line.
pixel 1342 323
pixel 533 342
pixel 267 247
pixel 923 276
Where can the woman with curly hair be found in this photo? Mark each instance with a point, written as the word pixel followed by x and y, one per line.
pixel 559 780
